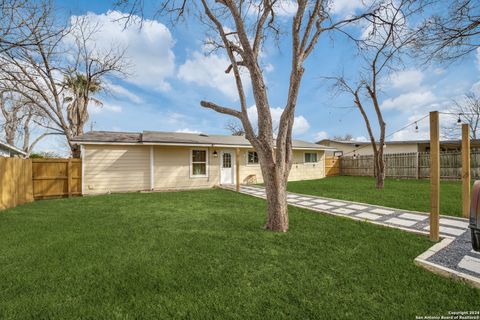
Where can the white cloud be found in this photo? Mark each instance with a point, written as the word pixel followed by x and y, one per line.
pixel 409 101
pixel 149 48
pixel 282 8
pixel 209 71
pixel 285 8
pixel 448 125
pixel 410 133
pixel 96 109
pixel 321 135
pixel 349 7
pixel 187 130
pixel 118 90
pixel 361 139
pixel 476 88
pixel 300 124
pixel 269 67
pixel 407 79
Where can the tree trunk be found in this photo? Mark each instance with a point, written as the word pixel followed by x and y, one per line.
pixel 276 191
pixel 75 150
pixel 379 169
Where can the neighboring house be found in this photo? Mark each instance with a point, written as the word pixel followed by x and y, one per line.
pixel 349 148
pixel 122 161
pixel 7 150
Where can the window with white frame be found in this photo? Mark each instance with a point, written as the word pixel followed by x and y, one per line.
pixel 311 157
pixel 199 163
pixel 252 157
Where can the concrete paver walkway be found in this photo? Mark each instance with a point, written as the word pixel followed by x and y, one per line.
pixel 451 257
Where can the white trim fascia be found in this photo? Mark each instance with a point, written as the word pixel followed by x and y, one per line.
pixel 231 146
pixel 205 145
pixel 206 164
pixel 10 148
pixel 107 143
pixel 152 168
pixel 311 149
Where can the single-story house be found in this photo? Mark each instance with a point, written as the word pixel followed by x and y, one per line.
pixel 133 161
pixel 7 150
pixel 364 148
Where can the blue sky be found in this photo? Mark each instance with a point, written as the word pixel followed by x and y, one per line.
pixel 171 73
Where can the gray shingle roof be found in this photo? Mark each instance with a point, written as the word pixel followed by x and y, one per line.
pixel 176 138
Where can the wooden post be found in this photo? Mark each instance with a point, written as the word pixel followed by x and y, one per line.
pixel 465 170
pixel 418 165
pixel 434 176
pixel 69 177
pixel 237 169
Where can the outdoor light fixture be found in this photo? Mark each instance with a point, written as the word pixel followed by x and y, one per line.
pixel 215 153
pixel 459 119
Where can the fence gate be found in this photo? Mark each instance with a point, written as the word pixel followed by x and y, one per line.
pixel 332 166
pixel 56 177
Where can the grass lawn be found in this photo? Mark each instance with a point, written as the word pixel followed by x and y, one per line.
pixel 403 194
pixel 203 254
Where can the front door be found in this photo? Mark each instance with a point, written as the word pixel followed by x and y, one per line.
pixel 226 174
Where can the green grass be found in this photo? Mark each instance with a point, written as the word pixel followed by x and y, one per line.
pixel 203 255
pixel 403 194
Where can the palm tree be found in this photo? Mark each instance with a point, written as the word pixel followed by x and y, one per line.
pixel 80 89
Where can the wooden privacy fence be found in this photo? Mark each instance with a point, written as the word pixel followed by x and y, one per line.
pixel 15 182
pixel 415 165
pixel 56 177
pixel 23 180
pixel 332 166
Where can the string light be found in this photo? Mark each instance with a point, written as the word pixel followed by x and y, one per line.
pixel 389 135
pixel 459 119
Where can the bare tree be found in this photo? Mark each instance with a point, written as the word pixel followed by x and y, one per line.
pixel 240 29
pixel 83 80
pixel 235 128
pixel 12 118
pixel 468 111
pixel 15 15
pixel 346 137
pixel 450 34
pixel 19 116
pixel 381 51
pixel 36 71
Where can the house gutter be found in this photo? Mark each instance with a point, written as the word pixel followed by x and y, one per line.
pixel 205 145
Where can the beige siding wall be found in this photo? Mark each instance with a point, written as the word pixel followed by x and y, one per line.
pixel 172 169
pixel 116 168
pixel 127 168
pixel 300 169
pixel 307 171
